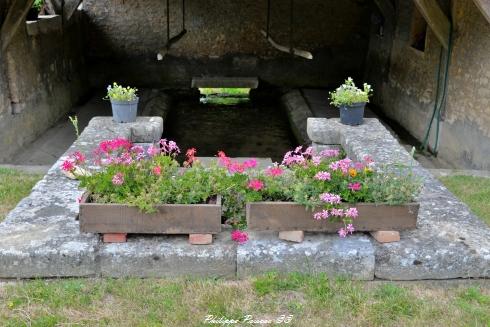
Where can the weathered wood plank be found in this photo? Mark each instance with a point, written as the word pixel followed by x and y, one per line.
pixel 288 216
pixel 436 19
pixel 484 6
pixel 70 8
pixel 16 15
pixel 169 219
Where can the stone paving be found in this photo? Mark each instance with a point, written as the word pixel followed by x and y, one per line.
pixel 41 237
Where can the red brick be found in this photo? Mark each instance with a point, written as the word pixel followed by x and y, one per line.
pixel 384 236
pixel 296 236
pixel 115 238
pixel 200 239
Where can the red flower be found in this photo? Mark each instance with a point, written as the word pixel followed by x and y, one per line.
pixel 239 236
pixel 157 170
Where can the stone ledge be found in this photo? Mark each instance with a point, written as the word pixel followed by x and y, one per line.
pixel 298 113
pixel 319 253
pixel 169 256
pixel 449 242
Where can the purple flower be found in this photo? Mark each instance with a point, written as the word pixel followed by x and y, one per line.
pixel 330 198
pixel 328 153
pixel 321 215
pixel 351 213
pixel 350 228
pixel 342 232
pixel 337 212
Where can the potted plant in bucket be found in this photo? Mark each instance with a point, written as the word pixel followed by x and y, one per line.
pixel 33 13
pixel 124 101
pixel 351 101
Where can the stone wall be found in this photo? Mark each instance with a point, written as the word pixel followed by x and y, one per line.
pixel 42 77
pixel 223 38
pixel 407 93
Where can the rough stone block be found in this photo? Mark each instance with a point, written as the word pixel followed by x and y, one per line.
pixel 200 239
pixel 49 23
pixel 298 112
pixel 296 236
pixel 32 28
pixel 352 257
pixel 323 130
pixel 386 236
pixel 169 256
pixel 115 238
pixel 147 129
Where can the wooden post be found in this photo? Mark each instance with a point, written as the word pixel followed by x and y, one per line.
pixel 436 19
pixel 16 15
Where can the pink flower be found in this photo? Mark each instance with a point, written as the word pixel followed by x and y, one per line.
pixel 68 165
pixel 350 228
pixel 321 215
pixel 316 160
pixel 114 145
pixel 354 187
pixel 330 198
pixel 343 165
pixel 137 149
pixel 79 199
pixel 256 184
pixel 351 213
pixel 342 232
pixel 157 170
pixel 274 171
pixel 239 236
pixel 236 167
pixel 79 158
pixel 328 153
pixel 118 179
pixel 323 176
pixel 153 150
pixel 252 163
pixel 169 147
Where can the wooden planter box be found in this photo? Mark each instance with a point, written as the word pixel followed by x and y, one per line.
pixel 169 218
pixel 290 216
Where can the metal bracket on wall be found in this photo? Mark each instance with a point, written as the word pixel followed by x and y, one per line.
pixel 176 38
pixel 291 49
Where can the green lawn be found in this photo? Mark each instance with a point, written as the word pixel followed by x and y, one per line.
pixel 310 300
pixel 474 191
pixel 14 186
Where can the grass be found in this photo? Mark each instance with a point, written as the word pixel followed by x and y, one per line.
pixel 306 300
pixel 14 185
pixel 237 92
pixel 474 191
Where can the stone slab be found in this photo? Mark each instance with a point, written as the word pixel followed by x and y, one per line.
pixel 41 236
pixel 169 256
pixel 449 242
pixel 298 112
pixel 351 257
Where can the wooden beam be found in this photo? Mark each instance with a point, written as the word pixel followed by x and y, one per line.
pixel 436 19
pixel 16 15
pixel 484 6
pixel 69 8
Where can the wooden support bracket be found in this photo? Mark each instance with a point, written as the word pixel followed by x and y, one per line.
pixel 436 19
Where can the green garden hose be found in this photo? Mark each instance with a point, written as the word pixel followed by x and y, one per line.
pixel 440 102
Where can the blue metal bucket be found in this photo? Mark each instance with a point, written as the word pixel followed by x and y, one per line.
pixel 124 111
pixel 352 114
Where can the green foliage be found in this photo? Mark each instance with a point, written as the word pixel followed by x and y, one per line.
pixel 38 4
pixel 348 93
pixel 120 93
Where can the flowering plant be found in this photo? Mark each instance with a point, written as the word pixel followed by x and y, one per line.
pixel 326 182
pixel 348 93
pixel 119 93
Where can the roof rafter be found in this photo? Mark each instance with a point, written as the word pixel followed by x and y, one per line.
pixel 484 6
pixel 436 19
